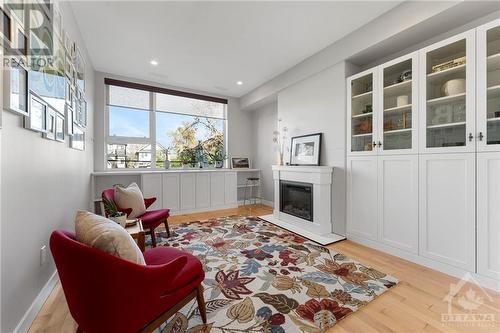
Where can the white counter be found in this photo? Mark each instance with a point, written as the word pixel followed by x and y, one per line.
pixel 158 171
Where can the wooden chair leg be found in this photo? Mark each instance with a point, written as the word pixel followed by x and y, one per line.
pixel 201 304
pixel 153 236
pixel 166 227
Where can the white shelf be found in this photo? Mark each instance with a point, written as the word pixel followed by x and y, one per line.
pixel 443 75
pixel 445 99
pixel 363 115
pixel 249 185
pixel 494 91
pixel 446 125
pixel 361 135
pixel 398 88
pixel 398 108
pixel 493 120
pixel 403 130
pixel 493 62
pixel 366 94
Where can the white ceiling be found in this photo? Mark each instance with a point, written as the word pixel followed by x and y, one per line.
pixel 209 46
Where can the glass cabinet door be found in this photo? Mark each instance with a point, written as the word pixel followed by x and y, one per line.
pixel 361 103
pixel 448 89
pixel 398 106
pixel 488 78
pixel 493 86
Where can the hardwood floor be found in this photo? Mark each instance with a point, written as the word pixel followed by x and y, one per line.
pixel 414 305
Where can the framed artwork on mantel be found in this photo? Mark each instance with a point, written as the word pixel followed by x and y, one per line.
pixel 306 149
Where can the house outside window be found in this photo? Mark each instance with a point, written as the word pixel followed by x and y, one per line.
pixel 147 126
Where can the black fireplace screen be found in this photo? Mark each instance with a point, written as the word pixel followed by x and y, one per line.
pixel 297 199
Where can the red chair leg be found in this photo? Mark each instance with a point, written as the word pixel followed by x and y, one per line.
pixel 201 304
pixel 166 227
pixel 153 236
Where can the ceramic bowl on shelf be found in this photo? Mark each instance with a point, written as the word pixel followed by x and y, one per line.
pixel 453 87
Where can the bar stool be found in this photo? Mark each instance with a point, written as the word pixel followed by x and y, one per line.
pixel 251 183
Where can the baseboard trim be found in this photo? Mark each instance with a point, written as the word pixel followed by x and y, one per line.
pixel 459 273
pixel 259 201
pixel 30 315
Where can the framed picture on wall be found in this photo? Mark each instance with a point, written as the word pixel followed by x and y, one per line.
pixel 16 89
pixel 37 121
pixel 240 163
pixel 69 120
pixel 77 140
pixel 306 149
pixel 51 124
pixel 59 135
pixel 5 26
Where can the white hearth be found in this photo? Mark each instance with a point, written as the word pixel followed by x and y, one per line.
pixel 320 179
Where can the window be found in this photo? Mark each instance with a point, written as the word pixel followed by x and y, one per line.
pixel 149 125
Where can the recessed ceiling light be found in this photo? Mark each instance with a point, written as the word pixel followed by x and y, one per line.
pixel 154 62
pixel 239 83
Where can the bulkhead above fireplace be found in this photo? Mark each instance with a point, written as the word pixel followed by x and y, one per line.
pixel 297 199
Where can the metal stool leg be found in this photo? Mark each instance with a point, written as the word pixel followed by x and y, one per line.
pixel 245 194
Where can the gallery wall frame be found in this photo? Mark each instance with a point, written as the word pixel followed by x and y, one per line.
pixel 77 140
pixel 15 89
pixel 37 121
pixel 50 97
pixel 50 133
pixel 60 130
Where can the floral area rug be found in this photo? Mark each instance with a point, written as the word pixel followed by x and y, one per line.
pixel 261 278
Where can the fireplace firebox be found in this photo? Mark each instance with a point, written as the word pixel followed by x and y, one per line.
pixel 297 199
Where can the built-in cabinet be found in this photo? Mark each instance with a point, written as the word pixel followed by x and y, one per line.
pixel 447 208
pixel 488 214
pixel 398 201
pixel 362 193
pixel 447 95
pixel 181 191
pixel 424 155
pixel 383 108
pixel 488 87
pixel 184 192
pixel 170 190
pixel 382 194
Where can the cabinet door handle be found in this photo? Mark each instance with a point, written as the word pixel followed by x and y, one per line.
pixel 379 144
pixel 480 136
pixel 374 145
pixel 471 137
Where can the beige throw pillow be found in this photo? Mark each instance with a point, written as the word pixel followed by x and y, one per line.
pixel 103 234
pixel 130 197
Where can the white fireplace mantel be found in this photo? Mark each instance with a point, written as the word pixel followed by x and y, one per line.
pixel 320 229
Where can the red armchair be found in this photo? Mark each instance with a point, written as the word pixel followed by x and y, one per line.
pixel 108 294
pixel 150 219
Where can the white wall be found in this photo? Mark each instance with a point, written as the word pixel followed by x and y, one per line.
pixel 317 104
pixel 239 130
pixel 43 184
pixel 264 122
